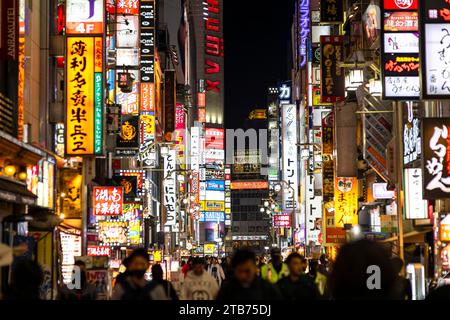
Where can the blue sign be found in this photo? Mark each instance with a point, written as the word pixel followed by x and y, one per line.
pixel 212 216
pixel 215 185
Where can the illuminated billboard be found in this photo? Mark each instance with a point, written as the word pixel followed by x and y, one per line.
pixel 84 16
pixel 84 91
pixel 107 201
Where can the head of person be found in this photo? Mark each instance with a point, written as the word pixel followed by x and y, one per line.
pixel 296 264
pixel 323 259
pixel 214 260
pixel 362 271
pixel 198 266
pixel 397 264
pixel 157 272
pixel 244 266
pixel 26 279
pixel 190 261
pixel 275 256
pixel 183 263
pixel 126 262
pixel 138 262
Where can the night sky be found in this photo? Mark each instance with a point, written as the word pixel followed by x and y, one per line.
pixel 257 50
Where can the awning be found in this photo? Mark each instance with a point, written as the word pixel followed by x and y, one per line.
pixel 16 192
pixel 411 237
pixel 23 153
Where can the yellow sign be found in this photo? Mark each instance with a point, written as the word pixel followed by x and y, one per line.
pixel 212 206
pixel 84 98
pixel 346 201
pixel 209 248
pixel 157 256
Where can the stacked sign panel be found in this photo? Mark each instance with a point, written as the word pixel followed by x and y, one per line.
pixel 400 46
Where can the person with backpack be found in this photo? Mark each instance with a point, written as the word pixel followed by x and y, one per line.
pixel 134 286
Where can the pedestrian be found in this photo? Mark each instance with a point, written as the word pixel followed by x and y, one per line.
pixel 198 284
pixel 123 275
pixel 157 276
pixel 226 266
pixel 319 279
pixel 245 285
pixel 359 269
pixel 323 266
pixel 275 269
pixel 86 290
pixel 298 285
pixel 403 287
pixel 26 279
pixel 216 271
pixel 186 267
pixel 134 286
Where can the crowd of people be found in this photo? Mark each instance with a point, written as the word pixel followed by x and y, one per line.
pixel 244 276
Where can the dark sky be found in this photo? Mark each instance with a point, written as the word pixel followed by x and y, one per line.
pixel 257 40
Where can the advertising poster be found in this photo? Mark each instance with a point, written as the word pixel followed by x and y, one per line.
pixel 112 233
pixel 415 206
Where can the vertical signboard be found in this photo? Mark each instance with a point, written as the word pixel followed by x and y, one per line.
pixel 332 74
pixel 331 11
pixel 169 101
pixel 84 101
pixel 415 206
pixel 435 48
pixel 400 50
pixel 346 201
pixel 170 196
pixel 290 161
pixel 303 12
pixel 436 158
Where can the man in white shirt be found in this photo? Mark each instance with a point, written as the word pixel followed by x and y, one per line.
pixel 198 284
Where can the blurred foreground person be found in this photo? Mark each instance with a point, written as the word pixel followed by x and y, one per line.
pixel 226 266
pixel 134 286
pixel 298 286
pixel 86 291
pixel 198 284
pixel 157 275
pixel 403 287
pixel 216 271
pixel 26 280
pixel 245 284
pixel 362 271
pixel 275 269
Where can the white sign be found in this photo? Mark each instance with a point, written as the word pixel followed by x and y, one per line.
pixel 437 61
pixel 84 16
pixel 379 191
pixel 313 219
pixel 215 154
pixel 401 42
pixel 127 57
pixel 412 143
pixel 415 206
pixel 127 31
pixel 290 163
pixel 402 86
pixel 70 248
pixel 214 195
pixel 170 190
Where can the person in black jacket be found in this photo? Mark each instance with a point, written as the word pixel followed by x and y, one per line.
pixel 245 284
pixel 157 275
pixel 297 286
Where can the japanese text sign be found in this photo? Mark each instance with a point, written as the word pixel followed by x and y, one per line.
pixel 108 201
